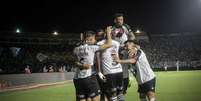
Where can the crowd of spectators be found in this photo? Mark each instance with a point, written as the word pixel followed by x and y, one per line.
pixel 168 49
pixel 161 50
pixel 56 59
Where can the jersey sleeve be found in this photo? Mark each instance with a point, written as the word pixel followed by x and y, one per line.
pixel 138 55
pixel 128 27
pixel 100 42
pixel 95 48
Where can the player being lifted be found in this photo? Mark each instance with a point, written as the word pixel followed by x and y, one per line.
pixel 144 75
pixel 121 33
pixel 85 82
pixel 111 72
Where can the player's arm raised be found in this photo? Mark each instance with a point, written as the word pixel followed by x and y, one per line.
pixel 108 43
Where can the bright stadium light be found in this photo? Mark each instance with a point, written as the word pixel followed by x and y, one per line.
pixel 55 33
pixel 138 31
pixel 17 30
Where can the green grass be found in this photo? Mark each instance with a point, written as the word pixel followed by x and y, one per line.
pixel 170 86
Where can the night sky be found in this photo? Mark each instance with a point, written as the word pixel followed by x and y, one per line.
pixel 152 16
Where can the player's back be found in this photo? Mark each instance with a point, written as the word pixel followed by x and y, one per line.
pixel 142 68
pixel 109 66
pixel 85 55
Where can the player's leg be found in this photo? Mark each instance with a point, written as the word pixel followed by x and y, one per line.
pixel 94 89
pixel 148 88
pixel 151 96
pixel 104 93
pixel 102 88
pixel 80 96
pixel 82 100
pixel 96 98
pixel 142 97
pixel 111 90
pixel 120 86
pixel 151 93
pixel 143 91
pixel 125 85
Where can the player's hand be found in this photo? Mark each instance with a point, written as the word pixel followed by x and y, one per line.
pixel 101 76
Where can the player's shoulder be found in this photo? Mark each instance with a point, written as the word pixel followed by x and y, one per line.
pixel 141 53
pixel 101 42
pixel 126 25
pixel 115 42
pixel 93 46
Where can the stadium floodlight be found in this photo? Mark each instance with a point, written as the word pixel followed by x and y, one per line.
pixel 55 33
pixel 17 30
pixel 138 31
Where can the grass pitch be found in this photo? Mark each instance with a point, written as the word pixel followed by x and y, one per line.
pixel 170 86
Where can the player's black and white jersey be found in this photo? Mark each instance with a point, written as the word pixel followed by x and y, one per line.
pixel 122 33
pixel 122 38
pixel 109 66
pixel 85 55
pixel 142 69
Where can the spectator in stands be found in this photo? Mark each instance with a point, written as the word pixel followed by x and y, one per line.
pixel 51 69
pixel 62 68
pixel 45 70
pixel 27 69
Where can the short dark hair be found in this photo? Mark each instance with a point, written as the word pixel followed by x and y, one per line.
pixel 132 41
pixel 118 15
pixel 99 30
pixel 89 34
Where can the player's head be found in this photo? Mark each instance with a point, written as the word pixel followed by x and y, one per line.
pixel 131 44
pixel 119 19
pixel 100 34
pixel 89 37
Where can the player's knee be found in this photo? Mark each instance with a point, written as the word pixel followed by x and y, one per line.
pixel 112 95
pixel 96 98
pixel 89 99
pixel 151 96
pixel 81 99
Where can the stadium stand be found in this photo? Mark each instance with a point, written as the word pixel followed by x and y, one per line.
pixel 39 50
pixel 167 49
